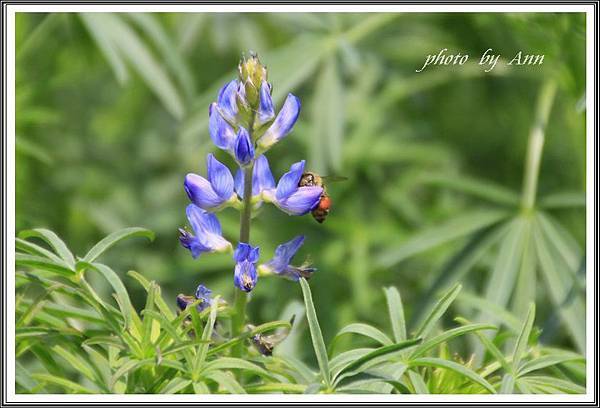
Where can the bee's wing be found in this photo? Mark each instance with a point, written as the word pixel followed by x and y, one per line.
pixel 333 179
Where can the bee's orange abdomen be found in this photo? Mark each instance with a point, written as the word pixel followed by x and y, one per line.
pixel 325 203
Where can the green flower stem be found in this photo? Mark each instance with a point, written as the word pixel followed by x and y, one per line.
pixel 536 145
pixel 241 297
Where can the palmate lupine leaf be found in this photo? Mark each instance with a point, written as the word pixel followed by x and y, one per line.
pixel 432 237
pixel 483 189
pixel 559 282
pixel 120 43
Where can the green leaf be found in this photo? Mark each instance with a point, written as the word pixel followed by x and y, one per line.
pixel 68 385
pixel 548 361
pixel 359 364
pixel 447 336
pixel 315 333
pixel 77 362
pixel 563 199
pixel 105 43
pixel 553 384
pixel 328 120
pixel 418 383
pixel 175 385
pixel 364 330
pixel 130 47
pixel 54 241
pixel 276 388
pixel 37 262
pixel 523 339
pixel 206 334
pixel 230 363
pixel 151 26
pixel 227 381
pixel 114 238
pixel 438 311
pixel 396 313
pixel 502 281
pixel 160 302
pixel 483 189
pixel 483 305
pixel 265 327
pixel 122 296
pixel 457 368
pixel 33 249
pixel 440 234
pixel 559 283
pixel 491 348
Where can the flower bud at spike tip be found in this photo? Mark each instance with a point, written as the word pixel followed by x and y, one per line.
pixel 252 73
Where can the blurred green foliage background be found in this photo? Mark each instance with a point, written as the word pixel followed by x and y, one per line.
pixel 112 112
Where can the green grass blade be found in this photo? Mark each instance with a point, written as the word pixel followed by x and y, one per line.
pixel 315 333
pixel 37 262
pixel 548 361
pixel 418 383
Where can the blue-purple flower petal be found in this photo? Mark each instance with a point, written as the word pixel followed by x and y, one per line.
pixel 266 111
pixel 244 148
pixel 227 100
pixel 221 132
pixel 288 183
pixel 245 276
pixel 283 124
pixel 262 178
pixel 201 192
pixel 207 232
pixel 219 177
pixel 300 202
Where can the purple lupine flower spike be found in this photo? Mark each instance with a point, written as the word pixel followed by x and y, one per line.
pixel 289 197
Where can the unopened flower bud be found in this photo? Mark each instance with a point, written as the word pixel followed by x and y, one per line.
pixel 252 73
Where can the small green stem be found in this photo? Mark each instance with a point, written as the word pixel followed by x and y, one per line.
pixel 239 316
pixel 536 145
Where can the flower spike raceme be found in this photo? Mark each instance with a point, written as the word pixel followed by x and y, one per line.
pixel 243 122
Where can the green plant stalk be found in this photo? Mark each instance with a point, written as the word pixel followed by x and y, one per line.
pixel 239 316
pixel 536 145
